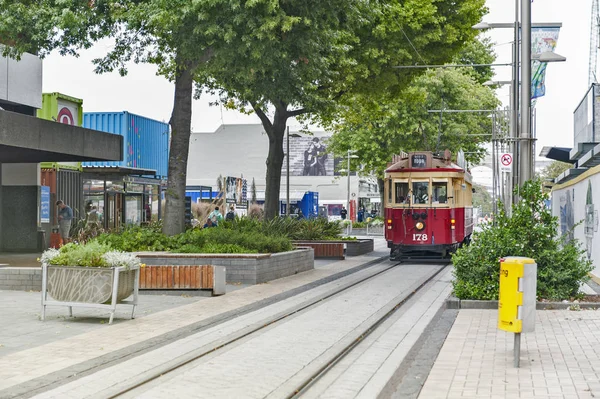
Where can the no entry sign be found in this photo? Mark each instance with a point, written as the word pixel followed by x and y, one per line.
pixel 506 161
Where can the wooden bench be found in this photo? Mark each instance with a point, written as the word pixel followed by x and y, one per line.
pixel 323 249
pixel 203 277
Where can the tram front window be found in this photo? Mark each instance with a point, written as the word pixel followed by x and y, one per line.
pixel 420 192
pixel 439 192
pixel 401 193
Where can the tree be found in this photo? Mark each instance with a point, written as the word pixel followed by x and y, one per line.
pixel 555 169
pixel 253 192
pixel 482 199
pixel 315 56
pixel 175 35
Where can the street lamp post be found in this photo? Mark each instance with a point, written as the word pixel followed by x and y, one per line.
pixel 287 179
pixel 350 155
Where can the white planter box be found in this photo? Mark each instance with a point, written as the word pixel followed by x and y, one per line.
pixel 92 287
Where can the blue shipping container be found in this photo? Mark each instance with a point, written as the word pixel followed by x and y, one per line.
pixel 145 140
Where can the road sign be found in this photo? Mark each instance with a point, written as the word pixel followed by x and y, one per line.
pixel 506 161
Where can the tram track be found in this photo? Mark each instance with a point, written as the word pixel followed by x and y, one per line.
pixel 135 376
pixel 197 356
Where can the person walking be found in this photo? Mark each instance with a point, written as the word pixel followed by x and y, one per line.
pixel 343 213
pixel 65 217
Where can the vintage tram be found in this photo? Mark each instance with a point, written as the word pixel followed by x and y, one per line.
pixel 428 205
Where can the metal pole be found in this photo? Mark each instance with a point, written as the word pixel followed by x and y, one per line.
pixel 287 179
pixel 348 203
pixel 526 140
pixel 508 196
pixel 514 118
pixel 517 350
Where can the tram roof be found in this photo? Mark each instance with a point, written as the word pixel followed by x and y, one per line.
pixel 437 165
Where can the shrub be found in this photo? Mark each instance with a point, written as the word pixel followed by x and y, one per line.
pixel 532 232
pixel 91 254
pixel 136 238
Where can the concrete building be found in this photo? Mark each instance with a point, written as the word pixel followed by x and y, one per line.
pixel 235 150
pixel 25 141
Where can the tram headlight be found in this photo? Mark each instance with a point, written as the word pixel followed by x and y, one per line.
pixel 419 226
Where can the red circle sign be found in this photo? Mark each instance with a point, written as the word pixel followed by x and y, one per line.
pixel 506 159
pixel 65 116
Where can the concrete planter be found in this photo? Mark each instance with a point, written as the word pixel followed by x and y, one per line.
pixel 240 268
pixel 95 287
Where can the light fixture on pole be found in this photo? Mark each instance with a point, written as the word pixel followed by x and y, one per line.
pixel 287 180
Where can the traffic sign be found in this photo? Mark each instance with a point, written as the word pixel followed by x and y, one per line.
pixel 506 161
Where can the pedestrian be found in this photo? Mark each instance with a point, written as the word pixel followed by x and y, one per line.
pixel 231 214
pixel 209 223
pixel 65 217
pixel 300 214
pixel 343 213
pixel 216 216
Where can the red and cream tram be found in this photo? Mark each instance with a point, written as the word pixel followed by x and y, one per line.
pixel 428 206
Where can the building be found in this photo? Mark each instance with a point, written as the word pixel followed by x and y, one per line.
pixel 236 150
pixel 25 142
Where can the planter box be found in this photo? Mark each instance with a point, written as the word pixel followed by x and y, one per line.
pixel 324 249
pixel 335 249
pixel 183 277
pixel 92 287
pixel 240 268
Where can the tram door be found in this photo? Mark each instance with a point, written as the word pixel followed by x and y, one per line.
pixel 113 213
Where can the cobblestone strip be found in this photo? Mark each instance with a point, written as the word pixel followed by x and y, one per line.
pixel 255 368
pixel 561 359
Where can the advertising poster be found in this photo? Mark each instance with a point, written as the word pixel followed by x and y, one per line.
pixel 542 40
pixel 309 157
pixel 236 191
pixel 45 204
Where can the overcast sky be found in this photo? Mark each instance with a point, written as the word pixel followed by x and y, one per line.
pixel 144 93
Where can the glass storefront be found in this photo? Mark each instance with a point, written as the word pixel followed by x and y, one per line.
pixel 121 202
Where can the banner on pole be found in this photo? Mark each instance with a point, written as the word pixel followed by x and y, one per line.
pixel 542 40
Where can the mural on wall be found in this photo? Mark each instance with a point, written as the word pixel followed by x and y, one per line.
pixel 567 219
pixel 309 157
pixel 589 220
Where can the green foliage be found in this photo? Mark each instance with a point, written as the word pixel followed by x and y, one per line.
pixel 532 232
pixel 136 238
pixel 378 127
pixel 89 254
pixel 553 170
pixel 482 199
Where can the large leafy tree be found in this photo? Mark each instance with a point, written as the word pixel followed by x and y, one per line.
pixel 376 128
pixel 317 55
pixel 175 35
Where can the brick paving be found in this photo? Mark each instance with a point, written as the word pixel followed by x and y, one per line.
pixel 561 359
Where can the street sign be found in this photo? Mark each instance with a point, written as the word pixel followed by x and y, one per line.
pixel 506 161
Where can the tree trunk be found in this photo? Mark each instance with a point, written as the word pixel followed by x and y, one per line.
pixel 276 133
pixel 181 125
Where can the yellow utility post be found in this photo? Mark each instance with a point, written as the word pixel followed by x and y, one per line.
pixel 517 298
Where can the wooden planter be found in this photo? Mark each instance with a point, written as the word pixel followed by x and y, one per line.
pixel 184 277
pixel 92 287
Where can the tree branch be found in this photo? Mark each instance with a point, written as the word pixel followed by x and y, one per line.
pixel 263 117
pixel 297 112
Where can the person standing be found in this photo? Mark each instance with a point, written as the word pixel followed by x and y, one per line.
pixel 65 217
pixel 216 216
pixel 343 213
pixel 231 214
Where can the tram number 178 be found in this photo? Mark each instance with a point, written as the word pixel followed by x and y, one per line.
pixel 419 237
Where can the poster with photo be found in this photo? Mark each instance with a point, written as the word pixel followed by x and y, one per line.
pixel 309 157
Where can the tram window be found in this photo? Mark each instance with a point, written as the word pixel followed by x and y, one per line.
pixel 421 192
pixel 439 192
pixel 401 192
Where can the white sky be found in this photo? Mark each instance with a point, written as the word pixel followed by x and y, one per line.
pixel 144 93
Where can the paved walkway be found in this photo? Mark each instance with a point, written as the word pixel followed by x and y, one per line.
pixel 561 359
pixel 53 360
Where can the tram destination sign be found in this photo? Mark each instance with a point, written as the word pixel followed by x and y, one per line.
pixel 419 161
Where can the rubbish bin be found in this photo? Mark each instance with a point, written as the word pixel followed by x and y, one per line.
pixel 41 241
